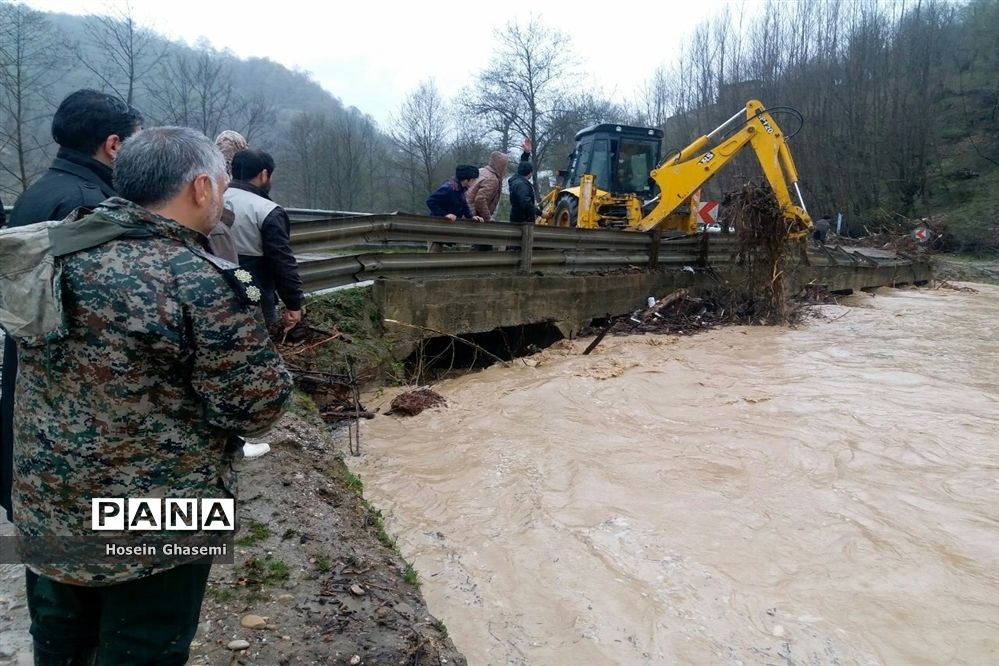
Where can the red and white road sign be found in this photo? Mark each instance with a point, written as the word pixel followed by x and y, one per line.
pixel 707 212
pixel 921 234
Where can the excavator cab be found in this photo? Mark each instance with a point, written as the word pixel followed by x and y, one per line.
pixel 620 157
pixel 614 161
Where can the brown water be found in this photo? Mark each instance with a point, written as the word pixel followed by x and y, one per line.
pixel 825 495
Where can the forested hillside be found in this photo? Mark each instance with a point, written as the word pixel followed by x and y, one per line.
pixel 894 106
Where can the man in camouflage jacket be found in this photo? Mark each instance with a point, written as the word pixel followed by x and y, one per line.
pixel 158 358
pixel 89 127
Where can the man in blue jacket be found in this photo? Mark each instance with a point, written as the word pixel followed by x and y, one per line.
pixel 449 199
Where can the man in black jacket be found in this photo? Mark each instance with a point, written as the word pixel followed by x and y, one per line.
pixel 523 209
pixel 261 231
pixel 89 127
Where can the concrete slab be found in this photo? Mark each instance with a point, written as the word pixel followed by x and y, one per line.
pixel 477 304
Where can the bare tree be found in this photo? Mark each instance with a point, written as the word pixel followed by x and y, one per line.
pixel 333 159
pixel 469 145
pixel 573 114
pixel 920 44
pixel 196 90
pixel 658 99
pixel 979 45
pixel 255 116
pixel 421 135
pixel 525 87
pixel 303 153
pixel 121 52
pixel 350 143
pixel 28 55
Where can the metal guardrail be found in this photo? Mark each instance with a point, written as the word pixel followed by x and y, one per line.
pixel 337 252
pixel 337 234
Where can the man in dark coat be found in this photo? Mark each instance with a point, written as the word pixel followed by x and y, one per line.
pixel 821 230
pixel 261 232
pixel 89 127
pixel 449 199
pixel 523 209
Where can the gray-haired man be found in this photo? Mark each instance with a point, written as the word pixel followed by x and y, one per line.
pixel 159 359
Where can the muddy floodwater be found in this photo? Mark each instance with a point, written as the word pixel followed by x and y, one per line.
pixel 823 495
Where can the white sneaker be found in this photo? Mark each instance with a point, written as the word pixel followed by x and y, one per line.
pixel 251 450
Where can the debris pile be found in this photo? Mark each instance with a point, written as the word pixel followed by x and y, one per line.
pixel 764 248
pixel 678 314
pixel 684 315
pixel 412 403
pixel 944 284
pixel 908 237
pixel 764 251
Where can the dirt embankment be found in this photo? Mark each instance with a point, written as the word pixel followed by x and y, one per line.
pixel 317 569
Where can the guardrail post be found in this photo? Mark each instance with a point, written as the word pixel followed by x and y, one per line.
pixel 702 259
pixel 526 247
pixel 657 237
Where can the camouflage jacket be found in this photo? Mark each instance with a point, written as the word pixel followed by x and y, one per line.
pixel 160 358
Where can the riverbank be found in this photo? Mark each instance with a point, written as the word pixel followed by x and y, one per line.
pixel 968 269
pixel 316 579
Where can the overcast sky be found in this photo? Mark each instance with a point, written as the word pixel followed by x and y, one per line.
pixel 371 53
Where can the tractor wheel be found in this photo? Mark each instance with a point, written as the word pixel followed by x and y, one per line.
pixel 566 212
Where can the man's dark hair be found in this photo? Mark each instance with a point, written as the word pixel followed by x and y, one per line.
pixel 525 169
pixel 247 164
pixel 87 118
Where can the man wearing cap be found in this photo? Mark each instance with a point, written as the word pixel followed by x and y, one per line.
pixel 449 199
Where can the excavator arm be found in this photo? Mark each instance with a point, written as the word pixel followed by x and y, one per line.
pixel 680 176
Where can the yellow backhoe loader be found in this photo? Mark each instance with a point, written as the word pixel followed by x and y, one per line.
pixel 617 179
